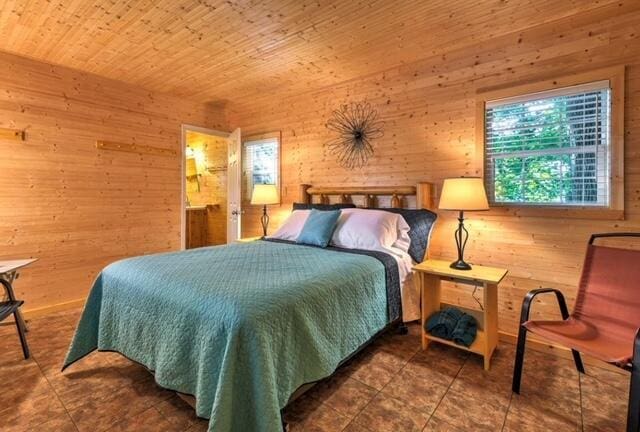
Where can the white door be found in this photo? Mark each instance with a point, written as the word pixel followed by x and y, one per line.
pixel 234 205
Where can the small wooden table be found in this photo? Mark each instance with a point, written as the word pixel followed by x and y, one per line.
pixel 432 272
pixel 248 239
pixel 10 271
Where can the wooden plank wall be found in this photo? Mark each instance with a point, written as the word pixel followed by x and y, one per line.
pixel 429 110
pixel 75 207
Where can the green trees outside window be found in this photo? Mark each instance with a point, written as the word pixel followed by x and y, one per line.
pixel 552 151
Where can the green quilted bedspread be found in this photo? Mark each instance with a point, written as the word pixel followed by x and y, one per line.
pixel 241 326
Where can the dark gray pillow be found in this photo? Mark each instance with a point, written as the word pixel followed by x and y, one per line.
pixel 302 206
pixel 420 222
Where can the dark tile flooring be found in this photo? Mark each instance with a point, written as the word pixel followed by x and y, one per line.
pixel 391 386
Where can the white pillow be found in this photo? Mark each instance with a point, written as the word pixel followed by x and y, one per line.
pixel 403 241
pixel 371 230
pixel 290 229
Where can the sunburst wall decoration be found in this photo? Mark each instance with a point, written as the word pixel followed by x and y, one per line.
pixel 357 125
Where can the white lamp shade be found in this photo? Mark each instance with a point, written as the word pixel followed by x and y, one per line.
pixel 264 194
pixel 463 194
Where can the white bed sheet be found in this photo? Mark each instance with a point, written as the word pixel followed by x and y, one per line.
pixel 409 288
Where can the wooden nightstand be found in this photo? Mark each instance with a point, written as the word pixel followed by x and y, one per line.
pixel 432 272
pixel 248 239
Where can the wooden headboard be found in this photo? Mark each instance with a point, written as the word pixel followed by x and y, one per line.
pixel 422 192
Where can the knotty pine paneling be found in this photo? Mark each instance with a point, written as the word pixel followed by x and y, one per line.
pixel 429 111
pixel 75 207
pixel 222 49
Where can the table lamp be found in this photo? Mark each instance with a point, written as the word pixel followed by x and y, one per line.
pixel 264 194
pixel 463 194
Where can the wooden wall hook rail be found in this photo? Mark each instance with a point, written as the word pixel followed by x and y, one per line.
pixel 134 148
pixel 12 134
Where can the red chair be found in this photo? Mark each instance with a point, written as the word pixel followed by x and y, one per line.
pixel 605 321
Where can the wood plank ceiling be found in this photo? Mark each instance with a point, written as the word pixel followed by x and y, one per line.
pixel 217 51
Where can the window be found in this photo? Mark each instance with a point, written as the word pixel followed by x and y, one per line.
pixel 260 161
pixel 550 148
pixel 554 147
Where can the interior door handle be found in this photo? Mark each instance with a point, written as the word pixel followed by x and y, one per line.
pixel 236 212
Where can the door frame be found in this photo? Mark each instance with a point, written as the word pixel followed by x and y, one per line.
pixel 183 185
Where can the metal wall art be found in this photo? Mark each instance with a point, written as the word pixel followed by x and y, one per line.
pixel 356 125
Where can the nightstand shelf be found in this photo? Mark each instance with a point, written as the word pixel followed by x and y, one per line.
pixel 478 345
pixel 430 275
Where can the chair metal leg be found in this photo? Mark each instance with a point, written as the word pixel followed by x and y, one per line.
pixel 403 329
pixel 522 336
pixel 564 310
pixel 23 337
pixel 7 281
pixel 23 322
pixel 20 324
pixel 517 368
pixel 633 416
pixel 522 333
pixel 578 361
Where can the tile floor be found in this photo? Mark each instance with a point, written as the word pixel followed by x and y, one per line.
pixel 391 386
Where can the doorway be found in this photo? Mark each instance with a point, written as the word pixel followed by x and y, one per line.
pixel 210 184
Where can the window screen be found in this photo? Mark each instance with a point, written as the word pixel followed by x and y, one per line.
pixel 550 148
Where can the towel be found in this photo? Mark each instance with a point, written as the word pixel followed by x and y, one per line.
pixel 442 323
pixel 465 331
pixel 452 324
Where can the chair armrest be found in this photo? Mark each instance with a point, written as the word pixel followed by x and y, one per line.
pixel 636 350
pixel 633 414
pixel 528 299
pixel 8 289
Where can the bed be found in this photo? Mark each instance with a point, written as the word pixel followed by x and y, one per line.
pixel 243 326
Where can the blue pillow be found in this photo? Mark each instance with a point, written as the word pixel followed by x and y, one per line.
pixel 319 227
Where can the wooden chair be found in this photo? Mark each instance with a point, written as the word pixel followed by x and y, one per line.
pixel 605 321
pixel 10 307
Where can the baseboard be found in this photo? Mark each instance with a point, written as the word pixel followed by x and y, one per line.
pixel 532 343
pixel 559 351
pixel 46 310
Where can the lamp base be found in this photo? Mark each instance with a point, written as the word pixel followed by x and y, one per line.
pixel 460 265
pixel 265 221
pixel 461 235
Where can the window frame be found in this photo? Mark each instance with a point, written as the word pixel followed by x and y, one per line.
pixel 246 194
pixel 615 210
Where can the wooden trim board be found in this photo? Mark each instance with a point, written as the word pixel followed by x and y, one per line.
pixel 12 134
pixel 533 344
pixel 134 148
pixel 47 310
